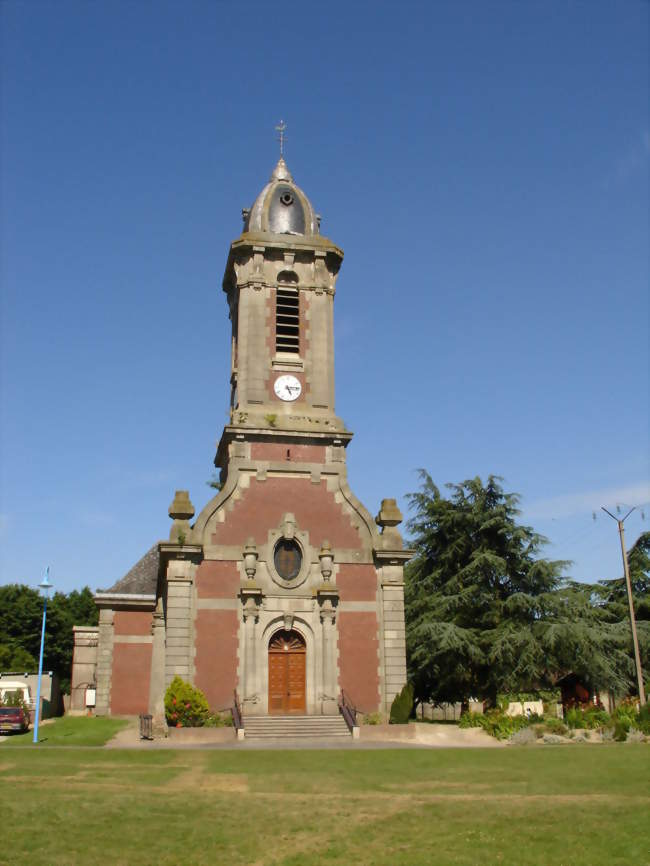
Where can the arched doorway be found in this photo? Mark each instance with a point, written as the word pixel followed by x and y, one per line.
pixel 287 680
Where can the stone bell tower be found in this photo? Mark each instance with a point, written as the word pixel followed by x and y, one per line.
pixel 280 281
pixel 284 589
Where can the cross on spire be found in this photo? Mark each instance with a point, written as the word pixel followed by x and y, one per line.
pixel 281 129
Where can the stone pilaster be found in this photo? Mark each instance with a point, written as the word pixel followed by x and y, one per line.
pixel 328 599
pixel 394 635
pixel 178 655
pixel 104 662
pixel 251 598
pixel 157 681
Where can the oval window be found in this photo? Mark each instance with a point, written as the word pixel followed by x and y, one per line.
pixel 287 558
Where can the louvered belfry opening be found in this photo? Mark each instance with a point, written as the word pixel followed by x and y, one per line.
pixel 287 321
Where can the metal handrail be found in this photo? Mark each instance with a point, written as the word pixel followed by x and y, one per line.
pixel 237 719
pixel 348 710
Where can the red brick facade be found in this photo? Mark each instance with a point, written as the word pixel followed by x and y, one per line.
pixel 131 677
pixel 264 504
pixel 216 655
pixel 217 579
pixel 358 659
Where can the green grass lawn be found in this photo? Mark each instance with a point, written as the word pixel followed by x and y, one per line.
pixel 549 806
pixel 68 731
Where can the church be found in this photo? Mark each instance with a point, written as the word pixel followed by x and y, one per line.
pixel 283 593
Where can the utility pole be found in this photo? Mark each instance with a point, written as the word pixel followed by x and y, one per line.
pixel 628 584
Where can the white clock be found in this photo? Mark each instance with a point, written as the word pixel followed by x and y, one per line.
pixel 287 388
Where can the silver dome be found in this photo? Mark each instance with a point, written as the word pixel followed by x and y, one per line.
pixel 282 208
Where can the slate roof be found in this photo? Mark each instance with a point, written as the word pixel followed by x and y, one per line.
pixel 142 579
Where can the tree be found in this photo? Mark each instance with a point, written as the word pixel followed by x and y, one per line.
pixel 484 612
pixel 21 612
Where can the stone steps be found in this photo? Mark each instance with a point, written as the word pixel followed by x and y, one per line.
pixel 281 727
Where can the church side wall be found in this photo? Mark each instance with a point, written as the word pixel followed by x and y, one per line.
pixel 131 668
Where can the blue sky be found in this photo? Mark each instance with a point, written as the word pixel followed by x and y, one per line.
pixel 484 165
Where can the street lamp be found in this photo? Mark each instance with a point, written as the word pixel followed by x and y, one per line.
pixel 46 586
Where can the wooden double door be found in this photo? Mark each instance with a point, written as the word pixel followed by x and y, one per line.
pixel 287 673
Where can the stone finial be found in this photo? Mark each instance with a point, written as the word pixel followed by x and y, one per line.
pixel 181 511
pixel 389 518
pixel 326 558
pixel 181 508
pixel 389 513
pixel 250 555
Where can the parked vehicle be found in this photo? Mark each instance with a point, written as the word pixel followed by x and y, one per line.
pixel 13 719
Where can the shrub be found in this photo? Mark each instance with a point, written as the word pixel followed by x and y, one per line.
pixel 621 729
pixel 574 718
pixel 402 705
pixel 591 718
pixel 373 719
pixel 626 710
pixel 185 705
pixel 555 726
pixel 494 722
pixel 218 720
pixel 470 720
pixel 595 717
pixel 642 722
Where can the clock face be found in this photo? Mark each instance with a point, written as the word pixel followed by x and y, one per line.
pixel 287 388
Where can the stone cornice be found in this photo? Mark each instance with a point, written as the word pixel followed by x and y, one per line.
pixel 125 600
pixel 177 551
pixel 232 432
pixel 393 557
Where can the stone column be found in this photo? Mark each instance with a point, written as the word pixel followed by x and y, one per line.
pixel 157 681
pixel 328 600
pixel 104 662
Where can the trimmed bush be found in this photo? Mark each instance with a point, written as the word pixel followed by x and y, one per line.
pixel 400 710
pixel 185 705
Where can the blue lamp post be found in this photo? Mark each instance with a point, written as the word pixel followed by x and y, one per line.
pixel 46 586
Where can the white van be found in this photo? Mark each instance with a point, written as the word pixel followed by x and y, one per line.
pixel 15 686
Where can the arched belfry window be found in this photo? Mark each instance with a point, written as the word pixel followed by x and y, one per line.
pixel 287 320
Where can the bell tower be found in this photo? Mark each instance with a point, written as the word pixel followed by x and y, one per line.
pixel 280 283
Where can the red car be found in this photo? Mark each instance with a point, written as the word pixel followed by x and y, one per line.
pixel 13 719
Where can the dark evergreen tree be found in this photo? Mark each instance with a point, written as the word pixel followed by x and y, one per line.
pixel 484 612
